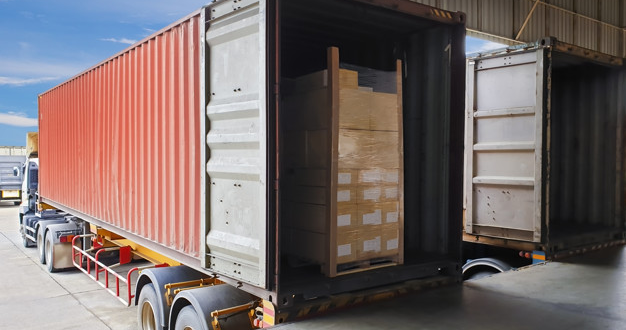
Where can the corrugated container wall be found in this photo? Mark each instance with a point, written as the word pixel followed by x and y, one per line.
pixel 118 142
pixel 545 147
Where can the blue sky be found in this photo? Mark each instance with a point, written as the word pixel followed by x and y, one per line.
pixel 43 43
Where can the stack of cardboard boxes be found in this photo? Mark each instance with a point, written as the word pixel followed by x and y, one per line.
pixel 368 162
pixel 343 180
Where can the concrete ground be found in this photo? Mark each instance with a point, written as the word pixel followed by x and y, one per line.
pixel 32 298
pixel 585 292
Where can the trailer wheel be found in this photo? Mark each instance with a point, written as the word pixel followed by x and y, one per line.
pixel 148 309
pixel 26 242
pixel 41 247
pixel 17 203
pixel 188 319
pixel 50 252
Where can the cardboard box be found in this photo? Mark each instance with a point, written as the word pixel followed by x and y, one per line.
pixel 368 149
pixel 377 214
pixel 347 217
pixel 378 241
pixel 348 79
pixel 366 110
pixel 390 239
pixel 347 177
pixel 369 244
pixel 384 113
pixel 347 246
pixel 377 193
pixel 346 194
pixel 378 175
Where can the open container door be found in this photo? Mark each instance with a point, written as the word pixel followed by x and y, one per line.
pixel 504 148
pixel 235 132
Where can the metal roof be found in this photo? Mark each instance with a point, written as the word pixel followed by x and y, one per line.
pixel 592 24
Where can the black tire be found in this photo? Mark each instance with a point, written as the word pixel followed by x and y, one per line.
pixel 26 242
pixel 41 247
pixel 17 203
pixel 189 319
pixel 50 253
pixel 148 309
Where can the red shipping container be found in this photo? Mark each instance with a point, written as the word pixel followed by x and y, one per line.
pixel 119 142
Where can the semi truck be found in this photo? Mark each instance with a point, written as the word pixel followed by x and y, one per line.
pixel 544 175
pixel 254 152
pixel 10 180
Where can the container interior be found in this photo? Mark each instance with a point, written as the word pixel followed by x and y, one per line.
pixel 375 38
pixel 585 180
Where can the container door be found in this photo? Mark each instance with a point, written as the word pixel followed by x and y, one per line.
pixel 235 136
pixel 504 146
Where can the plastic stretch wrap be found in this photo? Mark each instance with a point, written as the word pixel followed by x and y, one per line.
pixel 367 197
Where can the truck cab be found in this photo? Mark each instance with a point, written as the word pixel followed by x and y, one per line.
pixel 30 173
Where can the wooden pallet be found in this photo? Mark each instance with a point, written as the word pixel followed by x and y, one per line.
pixel 363 265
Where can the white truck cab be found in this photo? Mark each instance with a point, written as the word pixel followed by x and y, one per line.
pixel 30 173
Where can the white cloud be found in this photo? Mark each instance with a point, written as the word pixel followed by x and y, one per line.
pixel 17 119
pixel 24 45
pixel 25 81
pixel 27 14
pixel 41 68
pixel 122 40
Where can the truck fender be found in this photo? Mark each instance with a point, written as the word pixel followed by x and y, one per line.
pixel 159 277
pixel 489 264
pixel 212 298
pixel 41 226
pixel 62 251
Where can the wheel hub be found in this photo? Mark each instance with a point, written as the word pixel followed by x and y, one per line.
pixel 147 317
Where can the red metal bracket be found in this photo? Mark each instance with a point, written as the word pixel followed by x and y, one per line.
pixel 77 259
pixel 125 255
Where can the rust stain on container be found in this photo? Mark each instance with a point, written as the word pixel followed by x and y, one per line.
pixel 120 141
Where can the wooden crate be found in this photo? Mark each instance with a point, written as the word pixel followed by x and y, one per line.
pixel 343 181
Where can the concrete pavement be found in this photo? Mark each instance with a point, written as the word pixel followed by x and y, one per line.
pixel 585 292
pixel 580 293
pixel 32 298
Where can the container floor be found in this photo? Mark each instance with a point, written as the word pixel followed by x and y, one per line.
pixel 582 292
